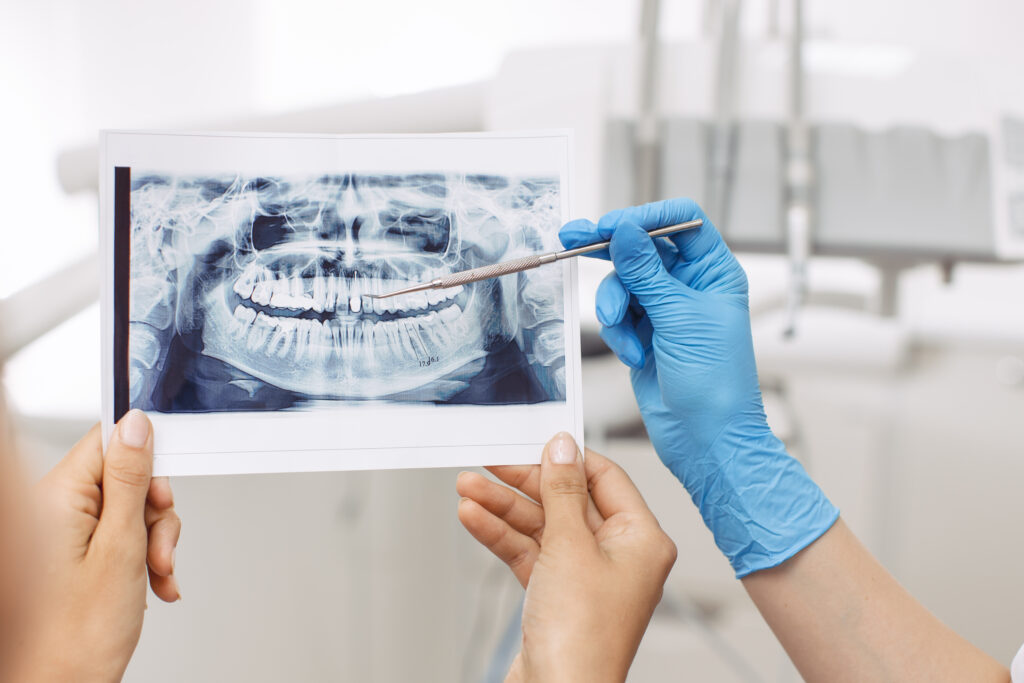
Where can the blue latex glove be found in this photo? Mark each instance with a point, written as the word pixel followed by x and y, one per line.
pixel 676 312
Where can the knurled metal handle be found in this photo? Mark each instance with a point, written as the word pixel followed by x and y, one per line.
pixel 495 270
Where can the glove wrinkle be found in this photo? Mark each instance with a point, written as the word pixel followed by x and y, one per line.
pixel 677 312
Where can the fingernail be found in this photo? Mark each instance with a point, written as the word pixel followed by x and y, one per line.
pixel 562 450
pixel 174 553
pixel 133 429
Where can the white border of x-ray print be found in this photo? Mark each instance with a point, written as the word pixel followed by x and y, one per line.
pixel 346 435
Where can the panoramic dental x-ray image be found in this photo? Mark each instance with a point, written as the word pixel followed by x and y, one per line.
pixel 247 292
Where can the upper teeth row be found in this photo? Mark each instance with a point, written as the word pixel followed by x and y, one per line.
pixel 332 293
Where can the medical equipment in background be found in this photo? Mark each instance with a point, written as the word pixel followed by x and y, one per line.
pixel 525 263
pixel 647 156
pixel 782 138
pixel 799 176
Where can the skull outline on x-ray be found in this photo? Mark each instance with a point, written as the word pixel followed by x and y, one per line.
pixel 266 274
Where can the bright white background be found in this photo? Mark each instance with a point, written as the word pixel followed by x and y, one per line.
pixel 366 576
pixel 70 68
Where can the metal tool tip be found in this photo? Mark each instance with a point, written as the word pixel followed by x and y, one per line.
pixel 407 290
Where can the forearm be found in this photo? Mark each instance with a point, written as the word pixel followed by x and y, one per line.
pixel 842 617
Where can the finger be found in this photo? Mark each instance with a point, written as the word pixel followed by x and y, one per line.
pixel 71 497
pixel 692 244
pixel 580 233
pixel 615 494
pixel 623 340
pixel 641 270
pixel 163 539
pixel 164 587
pixel 563 490
pixel 516 550
pixel 523 515
pixel 611 488
pixel 127 469
pixel 84 462
pixel 612 300
pixel 160 495
pixel 526 478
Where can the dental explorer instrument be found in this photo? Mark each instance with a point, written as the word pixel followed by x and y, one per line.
pixel 524 263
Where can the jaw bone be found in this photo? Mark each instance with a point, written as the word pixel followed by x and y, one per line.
pixel 327 293
pixel 445 222
pixel 351 355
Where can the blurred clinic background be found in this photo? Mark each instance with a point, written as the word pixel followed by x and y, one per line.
pixel 866 159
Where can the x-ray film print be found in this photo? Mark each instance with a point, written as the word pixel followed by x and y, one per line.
pixel 245 292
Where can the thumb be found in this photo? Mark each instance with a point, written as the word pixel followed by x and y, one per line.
pixel 639 266
pixel 127 470
pixel 563 489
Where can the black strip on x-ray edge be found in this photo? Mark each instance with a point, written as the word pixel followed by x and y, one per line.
pixel 122 271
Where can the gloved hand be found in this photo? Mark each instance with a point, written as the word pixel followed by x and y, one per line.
pixel 676 312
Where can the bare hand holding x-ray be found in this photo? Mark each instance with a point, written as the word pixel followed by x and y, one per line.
pixel 245 288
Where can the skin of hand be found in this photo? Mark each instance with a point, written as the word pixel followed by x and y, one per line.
pixel 109 528
pixel 591 556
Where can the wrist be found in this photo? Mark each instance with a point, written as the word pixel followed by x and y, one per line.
pixel 60 670
pixel 567 672
pixel 575 662
pixel 55 658
pixel 759 503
